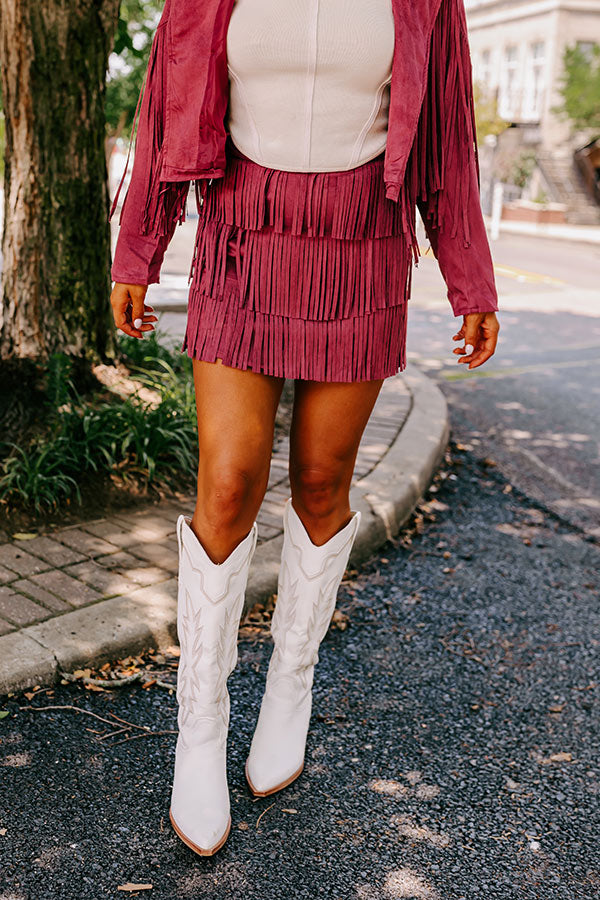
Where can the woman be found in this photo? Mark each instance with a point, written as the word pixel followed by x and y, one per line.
pixel 312 130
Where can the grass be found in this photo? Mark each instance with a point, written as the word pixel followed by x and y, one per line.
pixel 150 435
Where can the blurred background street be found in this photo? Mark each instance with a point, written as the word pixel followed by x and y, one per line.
pixel 535 406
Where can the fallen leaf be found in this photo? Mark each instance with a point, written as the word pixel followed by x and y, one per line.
pixel 134 887
pixel 2 832
pixel 3 713
pixel 30 694
pixel 561 757
pixel 556 707
pixel 24 536
pixel 148 684
pixel 289 810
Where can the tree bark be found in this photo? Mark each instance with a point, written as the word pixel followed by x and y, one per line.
pixel 56 241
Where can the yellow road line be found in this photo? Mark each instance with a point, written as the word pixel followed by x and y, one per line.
pixel 523 275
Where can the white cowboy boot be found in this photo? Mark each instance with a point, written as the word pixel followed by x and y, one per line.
pixel 209 608
pixel 309 579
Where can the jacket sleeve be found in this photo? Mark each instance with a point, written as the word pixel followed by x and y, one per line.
pixel 446 168
pixel 151 209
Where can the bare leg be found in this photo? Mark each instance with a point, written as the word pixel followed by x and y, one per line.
pixel 236 417
pixel 327 424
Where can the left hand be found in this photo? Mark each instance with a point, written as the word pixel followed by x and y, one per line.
pixel 480 331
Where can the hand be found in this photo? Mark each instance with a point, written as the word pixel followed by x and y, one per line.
pixel 130 313
pixel 480 331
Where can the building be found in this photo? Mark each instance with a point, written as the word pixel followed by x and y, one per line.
pixel 517 51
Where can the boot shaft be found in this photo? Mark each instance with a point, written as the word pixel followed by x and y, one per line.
pixel 209 607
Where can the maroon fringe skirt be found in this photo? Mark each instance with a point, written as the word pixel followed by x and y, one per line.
pixel 301 275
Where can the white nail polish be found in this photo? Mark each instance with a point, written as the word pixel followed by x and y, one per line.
pixel 137 323
pixel 469 348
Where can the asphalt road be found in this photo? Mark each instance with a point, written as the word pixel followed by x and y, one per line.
pixel 453 751
pixel 455 742
pixel 535 406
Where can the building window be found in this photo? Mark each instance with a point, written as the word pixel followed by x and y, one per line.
pixel 484 69
pixel 535 83
pixel 586 48
pixel 509 99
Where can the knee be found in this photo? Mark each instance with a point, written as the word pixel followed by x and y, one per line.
pixel 226 493
pixel 317 489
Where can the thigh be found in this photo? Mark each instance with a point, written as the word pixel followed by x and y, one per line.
pixel 236 415
pixel 328 422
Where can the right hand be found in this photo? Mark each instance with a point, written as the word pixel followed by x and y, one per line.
pixel 130 313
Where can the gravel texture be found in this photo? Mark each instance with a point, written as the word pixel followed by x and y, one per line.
pixel 453 750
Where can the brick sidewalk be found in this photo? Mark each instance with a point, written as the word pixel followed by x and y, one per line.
pixel 81 565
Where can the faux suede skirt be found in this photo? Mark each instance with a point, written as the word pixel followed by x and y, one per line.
pixel 301 275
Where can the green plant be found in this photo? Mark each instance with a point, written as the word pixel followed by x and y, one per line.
pixel 515 167
pixel 580 87
pixel 155 440
pixel 39 477
pixel 135 30
pixel 487 120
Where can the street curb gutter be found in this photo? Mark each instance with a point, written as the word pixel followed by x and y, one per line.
pixel 147 617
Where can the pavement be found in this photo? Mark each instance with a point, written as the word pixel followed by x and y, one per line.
pixel 103 589
pixel 582 234
pixel 454 743
pixel 453 751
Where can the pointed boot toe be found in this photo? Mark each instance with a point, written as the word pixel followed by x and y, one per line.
pixel 205 831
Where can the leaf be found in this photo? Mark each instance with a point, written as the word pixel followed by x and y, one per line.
pixel 2 832
pixel 23 536
pixel 561 757
pixel 3 713
pixel 289 810
pixel 130 886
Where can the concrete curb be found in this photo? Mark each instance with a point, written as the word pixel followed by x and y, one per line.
pixel 146 617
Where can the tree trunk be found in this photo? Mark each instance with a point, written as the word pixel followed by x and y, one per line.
pixel 56 241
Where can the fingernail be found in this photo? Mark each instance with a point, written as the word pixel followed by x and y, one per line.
pixel 469 348
pixel 137 323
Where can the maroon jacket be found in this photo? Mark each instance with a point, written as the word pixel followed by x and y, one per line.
pixel 431 151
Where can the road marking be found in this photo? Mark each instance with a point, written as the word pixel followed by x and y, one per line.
pixel 451 375
pixel 549 470
pixel 525 276
pixel 521 275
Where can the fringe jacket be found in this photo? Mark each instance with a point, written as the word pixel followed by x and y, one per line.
pixel 430 158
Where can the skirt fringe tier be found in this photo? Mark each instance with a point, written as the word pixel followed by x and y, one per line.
pixel 301 275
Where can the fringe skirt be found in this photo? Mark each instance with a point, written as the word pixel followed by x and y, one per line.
pixel 301 275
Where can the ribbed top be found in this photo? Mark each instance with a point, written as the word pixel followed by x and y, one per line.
pixel 309 81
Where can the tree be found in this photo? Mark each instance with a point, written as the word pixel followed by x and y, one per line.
pixel 56 241
pixel 487 120
pixel 133 39
pixel 580 87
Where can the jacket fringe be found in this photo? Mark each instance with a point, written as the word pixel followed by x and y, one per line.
pixel 164 202
pixel 445 145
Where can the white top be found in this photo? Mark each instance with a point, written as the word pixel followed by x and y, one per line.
pixel 309 81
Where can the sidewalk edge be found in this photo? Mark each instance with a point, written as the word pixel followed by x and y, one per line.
pixel 95 634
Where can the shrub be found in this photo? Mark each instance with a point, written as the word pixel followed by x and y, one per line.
pixel 153 439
